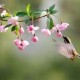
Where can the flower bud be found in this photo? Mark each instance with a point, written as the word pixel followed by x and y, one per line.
pixel 21 30
pixel 35 39
pixel 59 34
pixel 46 32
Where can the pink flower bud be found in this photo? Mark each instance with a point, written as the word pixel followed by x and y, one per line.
pixel 35 39
pixel 13 20
pixel 46 32
pixel 21 30
pixel 59 34
pixel 17 42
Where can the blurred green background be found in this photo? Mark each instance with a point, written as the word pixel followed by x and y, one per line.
pixel 40 61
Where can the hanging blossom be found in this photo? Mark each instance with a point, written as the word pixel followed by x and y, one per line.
pixel 32 29
pixel 21 30
pixel 13 20
pixel 62 26
pixel 58 28
pixel 21 44
pixel 35 39
pixel 3 29
pixel 46 32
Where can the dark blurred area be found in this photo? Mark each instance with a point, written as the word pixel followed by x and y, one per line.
pixel 40 61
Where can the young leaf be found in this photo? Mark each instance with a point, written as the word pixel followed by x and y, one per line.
pixel 21 14
pixel 50 24
pixel 28 9
pixel 53 11
pixel 51 7
pixel 8 25
pixel 15 28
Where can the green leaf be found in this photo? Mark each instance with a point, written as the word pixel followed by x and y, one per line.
pixel 8 25
pixel 53 11
pixel 28 9
pixel 51 7
pixel 50 24
pixel 21 14
pixel 15 28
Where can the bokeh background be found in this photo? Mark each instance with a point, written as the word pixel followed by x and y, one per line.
pixel 40 61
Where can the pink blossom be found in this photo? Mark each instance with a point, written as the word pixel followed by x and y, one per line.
pixel 58 28
pixel 25 43
pixel 62 26
pixel 59 34
pixel 13 20
pixel 32 29
pixel 3 29
pixel 21 44
pixel 46 32
pixel 35 39
pixel 21 30
pixel 17 42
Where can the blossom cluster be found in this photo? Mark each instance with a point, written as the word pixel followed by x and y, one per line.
pixel 19 30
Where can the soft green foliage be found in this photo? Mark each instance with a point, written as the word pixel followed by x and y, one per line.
pixel 21 14
pixel 50 24
pixel 28 9
pixel 14 28
pixel 51 9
